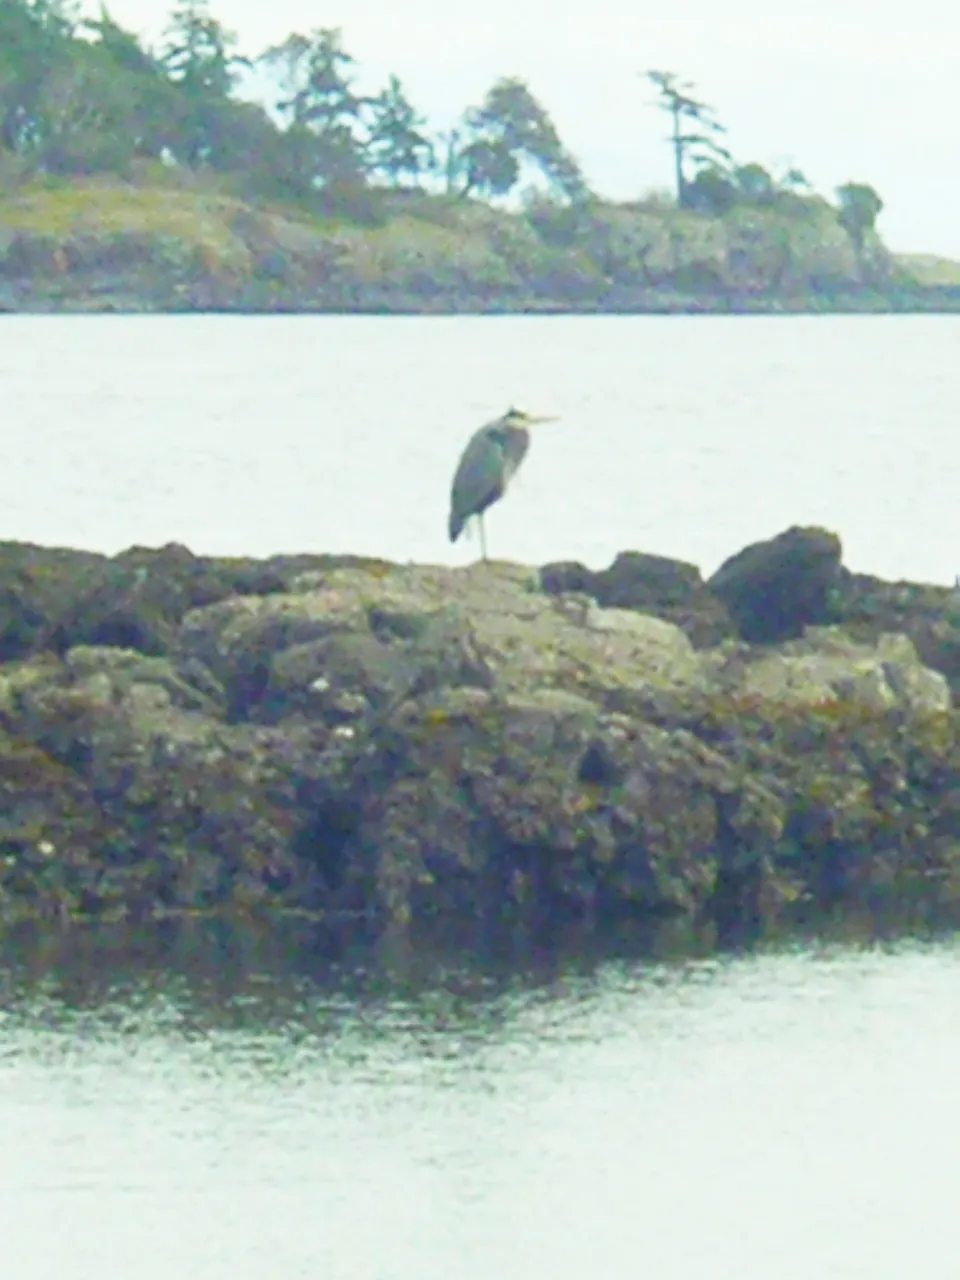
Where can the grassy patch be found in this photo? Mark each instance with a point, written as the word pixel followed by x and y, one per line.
pixel 113 210
pixel 929 270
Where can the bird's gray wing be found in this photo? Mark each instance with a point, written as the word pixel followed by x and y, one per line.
pixel 479 476
pixel 515 443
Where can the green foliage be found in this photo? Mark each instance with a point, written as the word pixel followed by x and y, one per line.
pixel 754 183
pixel 151 222
pixel 199 53
pixel 694 129
pixel 615 240
pixel 512 126
pixel 418 259
pixel 860 206
pixel 794 180
pixel 35 43
pixel 86 109
pixel 151 100
pixel 929 271
pixel 489 167
pixel 398 146
pixel 717 189
pixel 447 159
pixel 719 184
pixel 322 144
pixel 121 46
pixel 199 58
pixel 712 191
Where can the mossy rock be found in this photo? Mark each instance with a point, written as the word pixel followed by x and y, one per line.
pixel 54 837
pixel 928 614
pixel 56 598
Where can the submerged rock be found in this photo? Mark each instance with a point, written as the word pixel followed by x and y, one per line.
pixel 403 742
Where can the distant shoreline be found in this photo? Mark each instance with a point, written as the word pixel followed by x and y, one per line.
pixel 143 247
pixel 122 302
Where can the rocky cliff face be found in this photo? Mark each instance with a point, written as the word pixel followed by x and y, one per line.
pixel 405 742
pixel 110 245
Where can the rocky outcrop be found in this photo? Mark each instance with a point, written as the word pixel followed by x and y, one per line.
pixel 397 743
pixel 174 241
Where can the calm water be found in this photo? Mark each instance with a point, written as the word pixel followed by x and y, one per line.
pixel 222 1116
pixel 682 436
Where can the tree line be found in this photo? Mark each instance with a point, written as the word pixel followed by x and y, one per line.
pixel 84 96
pixel 708 179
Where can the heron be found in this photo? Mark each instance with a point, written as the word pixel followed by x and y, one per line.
pixel 487 465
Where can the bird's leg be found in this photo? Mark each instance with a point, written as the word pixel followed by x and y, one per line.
pixel 483 538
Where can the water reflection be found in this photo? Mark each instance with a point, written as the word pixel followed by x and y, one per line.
pixel 230 975
pixel 213 1102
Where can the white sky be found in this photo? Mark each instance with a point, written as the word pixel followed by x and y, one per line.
pixel 861 90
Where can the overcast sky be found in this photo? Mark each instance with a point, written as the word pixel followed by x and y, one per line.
pixel 844 89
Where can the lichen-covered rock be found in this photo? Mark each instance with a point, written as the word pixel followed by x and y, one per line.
pixel 160 803
pixel 465 714
pixel 828 667
pixel 401 742
pixel 475 802
pixel 929 615
pixel 54 836
pixel 386 635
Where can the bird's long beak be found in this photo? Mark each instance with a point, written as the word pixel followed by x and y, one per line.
pixel 536 419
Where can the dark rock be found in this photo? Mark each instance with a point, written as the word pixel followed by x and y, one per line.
pixel 597 766
pixel 638 581
pixel 567 576
pixel 36 583
pixel 777 588
pixel 656 585
pixel 56 598
pixel 41 799
pixel 668 589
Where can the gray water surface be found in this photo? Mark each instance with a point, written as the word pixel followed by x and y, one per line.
pixel 214 1116
pixel 683 436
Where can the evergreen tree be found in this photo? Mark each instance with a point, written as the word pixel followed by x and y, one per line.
pixel 200 59
pixel 35 41
pixel 324 123
pixel 511 122
pixel 151 103
pixel 398 146
pixel 860 206
pixel 488 167
pixel 700 145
